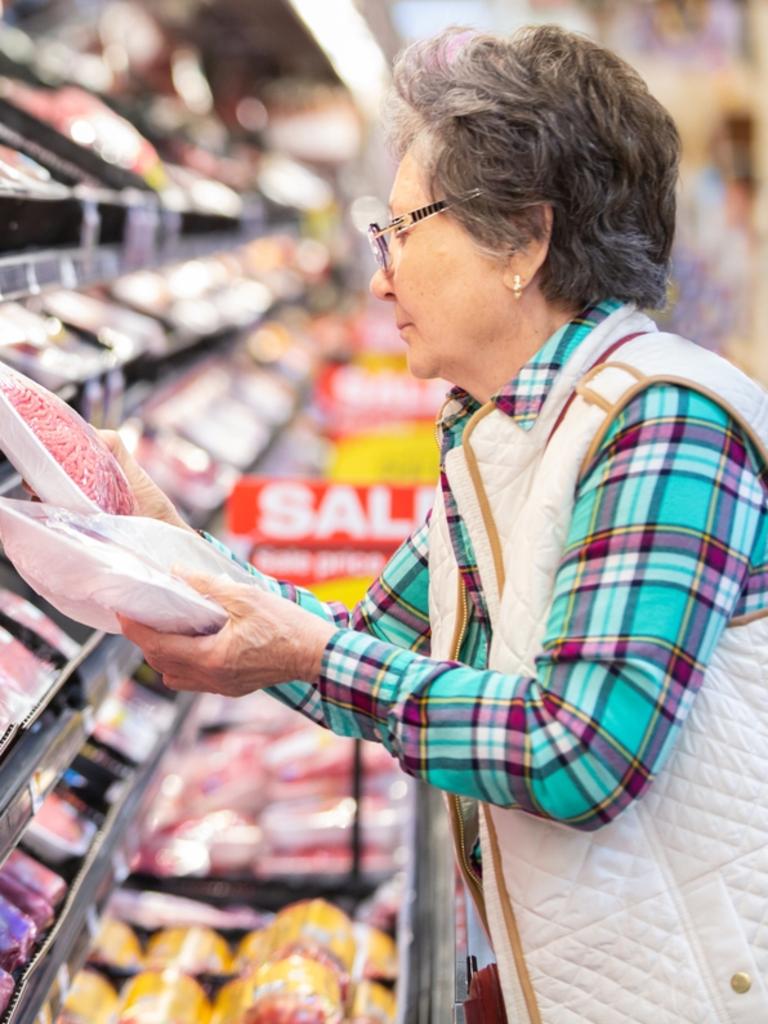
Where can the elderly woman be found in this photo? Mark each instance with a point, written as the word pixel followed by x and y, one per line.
pixel 572 646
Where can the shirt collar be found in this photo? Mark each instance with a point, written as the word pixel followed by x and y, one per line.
pixel 523 396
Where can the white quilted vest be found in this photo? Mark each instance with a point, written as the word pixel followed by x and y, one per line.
pixel 660 917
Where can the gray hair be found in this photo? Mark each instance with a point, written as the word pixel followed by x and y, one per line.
pixel 545 117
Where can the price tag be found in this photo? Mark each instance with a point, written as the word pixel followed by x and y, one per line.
pixel 36 791
pixel 91 922
pixel 63 978
pixel 89 719
pixel 120 866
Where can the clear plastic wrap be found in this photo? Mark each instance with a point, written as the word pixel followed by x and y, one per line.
pixel 152 910
pixel 92 567
pixel 131 719
pixel 163 997
pixel 24 678
pixel 61 457
pixel 58 831
pixel 31 903
pixel 36 876
pixel 295 990
pixel 28 615
pixel 117 945
pixel 17 936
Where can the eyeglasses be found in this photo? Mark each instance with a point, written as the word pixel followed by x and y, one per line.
pixel 378 236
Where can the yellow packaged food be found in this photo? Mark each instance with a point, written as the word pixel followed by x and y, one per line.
pixel 372 1004
pixel 117 945
pixel 254 949
pixel 296 990
pixel 376 953
pixel 194 950
pixel 90 1000
pixel 163 997
pixel 233 1000
pixel 316 928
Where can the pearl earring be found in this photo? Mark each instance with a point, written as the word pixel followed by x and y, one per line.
pixel 517 286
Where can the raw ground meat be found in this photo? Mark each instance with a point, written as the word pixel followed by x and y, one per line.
pixel 27 614
pixel 72 442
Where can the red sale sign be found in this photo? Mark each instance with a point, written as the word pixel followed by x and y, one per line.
pixel 315 514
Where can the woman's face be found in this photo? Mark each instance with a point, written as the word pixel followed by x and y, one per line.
pixel 451 305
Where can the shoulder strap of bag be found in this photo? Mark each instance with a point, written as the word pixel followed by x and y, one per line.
pixel 603 358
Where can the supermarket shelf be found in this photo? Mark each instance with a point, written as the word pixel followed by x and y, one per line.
pixel 46 747
pixel 46 978
pixel 25 274
pixel 426 936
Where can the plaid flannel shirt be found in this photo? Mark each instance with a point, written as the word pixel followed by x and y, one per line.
pixel 667 542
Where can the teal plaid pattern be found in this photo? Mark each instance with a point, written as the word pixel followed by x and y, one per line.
pixel 668 542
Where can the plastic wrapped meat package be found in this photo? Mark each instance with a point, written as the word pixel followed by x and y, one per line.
pixel 93 567
pixel 35 876
pixel 45 350
pixel 24 680
pixel 60 456
pixel 69 108
pixel 29 902
pixel 7 986
pixel 127 333
pixel 202 408
pixel 193 949
pixel 59 831
pixel 18 934
pixel 187 473
pixel 218 843
pixel 151 910
pixel 314 835
pixel 90 1000
pixel 31 617
pixel 131 720
pixel 163 997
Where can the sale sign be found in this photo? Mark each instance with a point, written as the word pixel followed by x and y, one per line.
pixel 331 536
pixel 320 514
pixel 354 397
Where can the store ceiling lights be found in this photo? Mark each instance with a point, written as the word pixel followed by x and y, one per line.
pixel 342 33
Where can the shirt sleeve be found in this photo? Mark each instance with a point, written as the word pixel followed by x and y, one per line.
pixel 394 610
pixel 664 527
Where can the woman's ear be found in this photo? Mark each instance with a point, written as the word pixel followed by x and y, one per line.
pixel 523 265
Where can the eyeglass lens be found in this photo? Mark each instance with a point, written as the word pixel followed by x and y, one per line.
pixel 379 246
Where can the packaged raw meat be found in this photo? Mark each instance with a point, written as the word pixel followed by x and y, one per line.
pixel 58 832
pixel 193 950
pixel 218 843
pixel 316 929
pixel 372 1004
pixel 253 950
pixel 163 997
pixel 90 1000
pixel 151 910
pixel 28 615
pixel 292 826
pixel 232 1001
pixel 295 990
pixel 29 902
pixel 92 567
pixel 60 456
pixel 117 945
pixel 35 876
pixel 187 473
pixel 45 350
pixel 17 936
pixel 126 332
pixel 131 719
pixel 6 990
pixel 24 678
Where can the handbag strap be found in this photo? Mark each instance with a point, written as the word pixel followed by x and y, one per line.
pixel 604 357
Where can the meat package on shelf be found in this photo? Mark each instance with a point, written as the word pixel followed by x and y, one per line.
pixel 309 962
pixel 272 796
pixel 40 879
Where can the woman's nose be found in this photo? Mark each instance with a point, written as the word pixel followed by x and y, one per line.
pixel 381 286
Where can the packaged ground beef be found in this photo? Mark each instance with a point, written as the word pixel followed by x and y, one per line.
pixel 36 876
pixel 60 456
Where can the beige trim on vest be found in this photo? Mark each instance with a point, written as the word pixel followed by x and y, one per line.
pixel 513 935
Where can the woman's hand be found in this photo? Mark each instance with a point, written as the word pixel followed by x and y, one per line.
pixel 150 500
pixel 267 640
